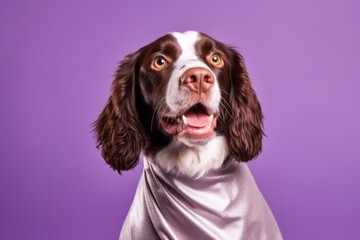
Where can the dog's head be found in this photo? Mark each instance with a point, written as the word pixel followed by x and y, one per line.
pixel 184 87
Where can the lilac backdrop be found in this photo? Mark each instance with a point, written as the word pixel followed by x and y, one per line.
pixel 56 64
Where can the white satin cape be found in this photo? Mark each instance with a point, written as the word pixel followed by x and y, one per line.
pixel 223 204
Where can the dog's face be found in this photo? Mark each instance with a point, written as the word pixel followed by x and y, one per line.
pixel 179 80
pixel 184 87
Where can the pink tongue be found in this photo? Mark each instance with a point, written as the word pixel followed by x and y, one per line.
pixel 197 119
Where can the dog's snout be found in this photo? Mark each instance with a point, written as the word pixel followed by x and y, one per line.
pixel 197 79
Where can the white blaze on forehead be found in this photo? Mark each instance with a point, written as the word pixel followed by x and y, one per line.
pixel 188 57
pixel 187 42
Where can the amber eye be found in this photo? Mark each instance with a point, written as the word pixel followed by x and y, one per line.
pixel 216 60
pixel 159 63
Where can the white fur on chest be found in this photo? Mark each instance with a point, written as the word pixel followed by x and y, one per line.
pixel 193 161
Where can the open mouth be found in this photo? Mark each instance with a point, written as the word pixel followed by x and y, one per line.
pixel 195 123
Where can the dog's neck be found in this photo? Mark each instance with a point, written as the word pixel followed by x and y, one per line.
pixel 193 161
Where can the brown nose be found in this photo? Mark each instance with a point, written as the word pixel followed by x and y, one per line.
pixel 197 79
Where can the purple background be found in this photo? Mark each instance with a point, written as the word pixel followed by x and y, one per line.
pixel 56 64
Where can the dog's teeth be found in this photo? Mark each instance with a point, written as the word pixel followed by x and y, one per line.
pixel 211 119
pixel 184 119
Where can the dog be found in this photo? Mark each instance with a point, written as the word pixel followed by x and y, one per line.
pixel 185 105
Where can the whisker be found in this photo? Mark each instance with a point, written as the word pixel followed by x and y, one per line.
pixel 158 106
pixel 225 103
pixel 221 114
pixel 226 107
pixel 163 113
pixel 223 91
pixel 222 111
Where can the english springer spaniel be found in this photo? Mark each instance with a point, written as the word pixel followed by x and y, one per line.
pixel 186 103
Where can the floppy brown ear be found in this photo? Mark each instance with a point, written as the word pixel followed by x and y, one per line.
pixel 117 128
pixel 245 125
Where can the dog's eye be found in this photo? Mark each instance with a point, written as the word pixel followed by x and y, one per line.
pixel 159 63
pixel 216 60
